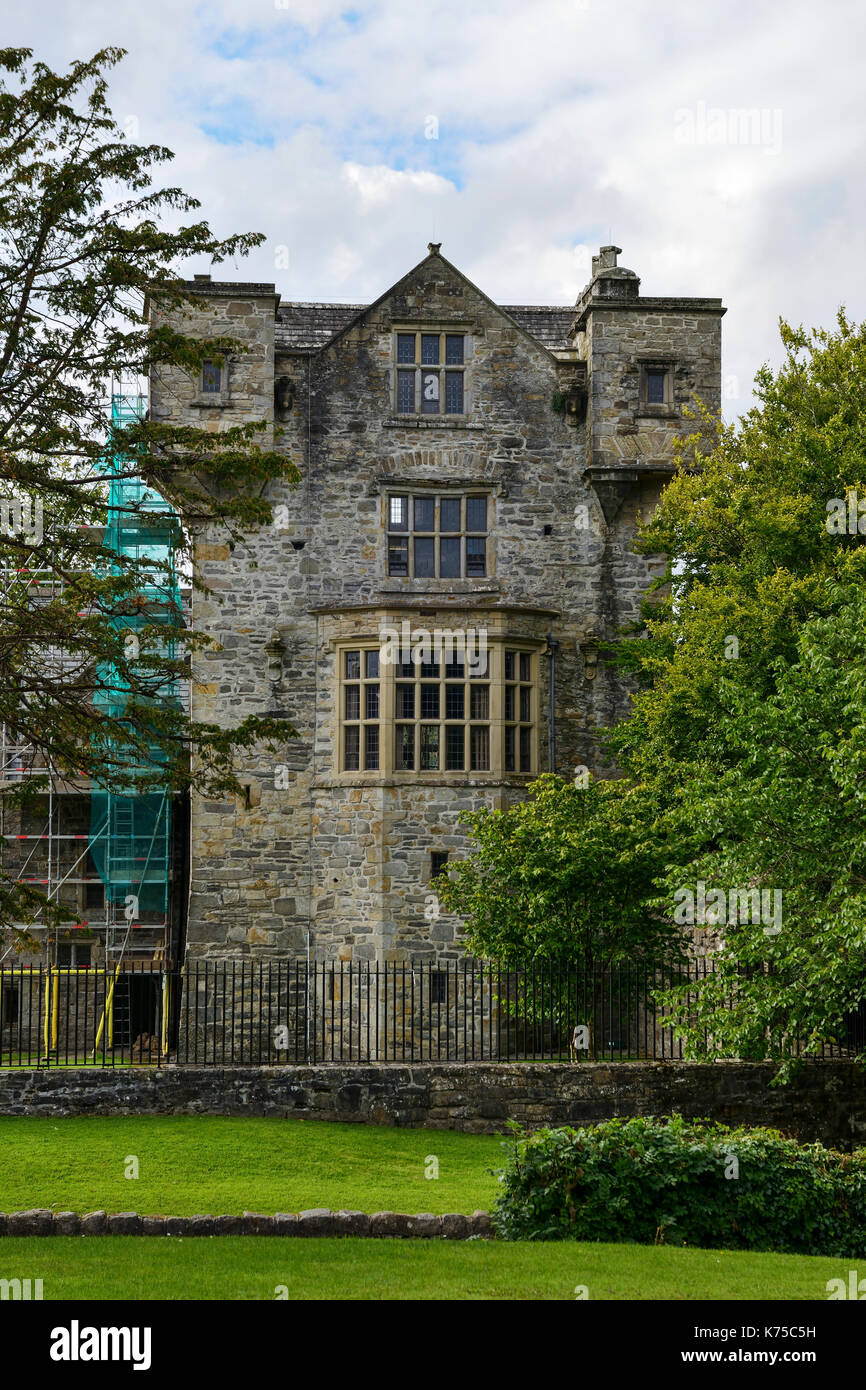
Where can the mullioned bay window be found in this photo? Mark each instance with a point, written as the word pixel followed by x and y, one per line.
pixel 362 709
pixel 446 715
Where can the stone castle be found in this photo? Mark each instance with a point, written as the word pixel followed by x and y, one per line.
pixel 471 470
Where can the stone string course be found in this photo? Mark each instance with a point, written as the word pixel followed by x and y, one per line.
pixel 317 1222
pixel 826 1102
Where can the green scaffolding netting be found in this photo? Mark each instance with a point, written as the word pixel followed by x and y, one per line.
pixel 130 818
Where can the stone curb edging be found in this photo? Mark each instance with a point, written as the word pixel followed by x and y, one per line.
pixel 317 1222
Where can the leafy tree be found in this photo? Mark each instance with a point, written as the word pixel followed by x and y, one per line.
pixel 565 877
pixel 744 759
pixel 82 246
pixel 750 727
pixel 562 876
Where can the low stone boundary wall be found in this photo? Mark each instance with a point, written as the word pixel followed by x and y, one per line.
pixel 318 1222
pixel 826 1101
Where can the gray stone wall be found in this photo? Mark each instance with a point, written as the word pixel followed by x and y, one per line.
pixel 826 1102
pixel 341 861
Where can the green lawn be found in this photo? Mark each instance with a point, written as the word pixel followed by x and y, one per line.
pixel 214 1165
pixel 211 1164
pixel 249 1267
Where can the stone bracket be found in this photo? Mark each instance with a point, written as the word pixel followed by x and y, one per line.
pixel 612 485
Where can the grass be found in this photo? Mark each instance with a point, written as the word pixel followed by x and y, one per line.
pixel 191 1164
pixel 225 1165
pixel 244 1267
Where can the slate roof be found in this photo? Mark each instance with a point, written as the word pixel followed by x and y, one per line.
pixel 304 327
pixel 547 323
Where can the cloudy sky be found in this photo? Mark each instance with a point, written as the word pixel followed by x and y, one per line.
pixel 721 145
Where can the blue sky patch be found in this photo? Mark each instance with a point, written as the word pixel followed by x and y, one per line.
pixel 236 122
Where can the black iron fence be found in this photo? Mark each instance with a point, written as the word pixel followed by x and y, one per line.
pixel 223 1013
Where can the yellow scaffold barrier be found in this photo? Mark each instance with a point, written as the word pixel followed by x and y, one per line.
pixel 52 1011
pixel 166 998
pixel 107 1014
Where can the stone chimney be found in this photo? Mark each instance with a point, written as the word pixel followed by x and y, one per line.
pixel 609 282
pixel 606 259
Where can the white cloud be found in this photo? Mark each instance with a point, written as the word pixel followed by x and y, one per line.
pixel 557 128
pixel 343 262
pixel 377 185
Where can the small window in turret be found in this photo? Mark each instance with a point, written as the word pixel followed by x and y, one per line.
pixel 655 384
pixel 210 377
pixel 655 388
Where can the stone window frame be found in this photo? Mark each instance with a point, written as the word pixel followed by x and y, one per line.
pixel 443 330
pixel 526 764
pixel 440 868
pixel 438 987
pixel 667 407
pixel 90 891
pixel 10 1006
pixel 437 494
pixel 80 954
pixel 367 684
pixel 215 399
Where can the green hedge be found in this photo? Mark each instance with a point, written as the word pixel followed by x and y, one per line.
pixel 680 1182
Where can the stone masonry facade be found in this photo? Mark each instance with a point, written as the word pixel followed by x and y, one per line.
pixel 564 424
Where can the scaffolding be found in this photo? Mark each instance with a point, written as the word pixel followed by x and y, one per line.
pixel 130 839
pixel 102 849
pixel 53 853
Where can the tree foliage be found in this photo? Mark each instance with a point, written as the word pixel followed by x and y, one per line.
pixel 564 875
pixel 750 728
pixel 85 241
pixel 743 761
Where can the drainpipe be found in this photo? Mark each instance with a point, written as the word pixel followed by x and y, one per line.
pixel 307 1002
pixel 552 644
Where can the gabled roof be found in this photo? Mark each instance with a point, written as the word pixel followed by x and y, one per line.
pixel 303 327
pixel 306 327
